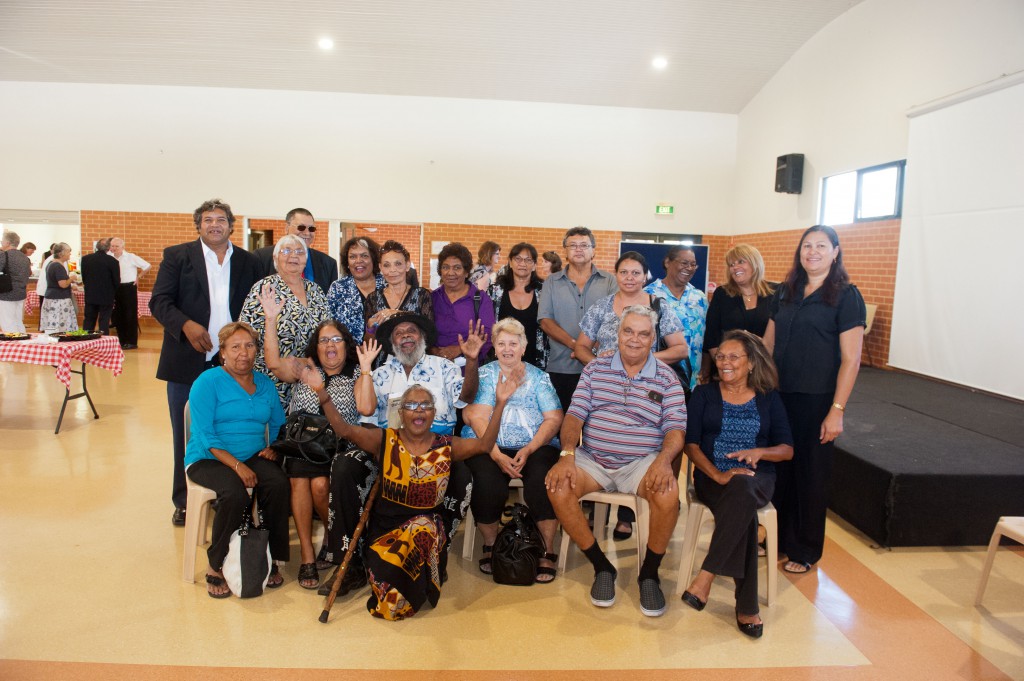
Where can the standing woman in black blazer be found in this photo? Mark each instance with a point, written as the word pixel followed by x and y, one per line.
pixel 816 332
pixel 199 288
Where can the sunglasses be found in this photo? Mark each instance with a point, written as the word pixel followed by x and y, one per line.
pixel 303 228
pixel 418 406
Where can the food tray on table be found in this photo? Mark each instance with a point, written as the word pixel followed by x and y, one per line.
pixel 67 336
pixel 14 336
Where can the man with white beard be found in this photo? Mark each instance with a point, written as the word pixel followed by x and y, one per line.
pixel 405 336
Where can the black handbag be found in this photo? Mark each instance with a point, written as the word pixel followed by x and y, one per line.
pixel 517 549
pixel 247 565
pixel 307 436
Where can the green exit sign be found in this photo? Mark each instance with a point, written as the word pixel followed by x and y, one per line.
pixel 664 209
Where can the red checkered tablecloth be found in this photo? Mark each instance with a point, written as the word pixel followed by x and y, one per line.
pixel 104 352
pixel 32 302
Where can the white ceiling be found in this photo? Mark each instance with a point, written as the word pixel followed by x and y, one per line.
pixel 720 52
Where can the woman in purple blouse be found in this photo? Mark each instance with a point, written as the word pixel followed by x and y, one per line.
pixel 457 304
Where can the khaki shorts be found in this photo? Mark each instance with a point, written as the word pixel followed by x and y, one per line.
pixel 626 479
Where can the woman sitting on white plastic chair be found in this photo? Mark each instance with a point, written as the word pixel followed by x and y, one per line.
pixel 231 408
pixel 736 428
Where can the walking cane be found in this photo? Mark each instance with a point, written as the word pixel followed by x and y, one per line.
pixel 370 498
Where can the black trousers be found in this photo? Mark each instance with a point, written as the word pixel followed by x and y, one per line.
pixel 490 485
pixel 273 494
pixel 565 386
pixel 126 313
pixel 801 491
pixel 733 549
pixel 352 476
pixel 97 313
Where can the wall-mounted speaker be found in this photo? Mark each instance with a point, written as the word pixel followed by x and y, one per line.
pixel 789 173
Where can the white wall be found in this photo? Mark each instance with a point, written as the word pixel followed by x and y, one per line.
pixel 842 98
pixel 364 157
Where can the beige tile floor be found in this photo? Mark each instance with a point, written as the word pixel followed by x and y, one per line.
pixel 91 586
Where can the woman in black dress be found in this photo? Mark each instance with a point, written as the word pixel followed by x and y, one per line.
pixel 516 294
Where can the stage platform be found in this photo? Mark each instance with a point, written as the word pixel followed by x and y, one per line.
pixel 922 463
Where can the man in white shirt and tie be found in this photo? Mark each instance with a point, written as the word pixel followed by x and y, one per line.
pixel 126 299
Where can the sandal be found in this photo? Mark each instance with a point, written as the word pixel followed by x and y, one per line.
pixel 216 581
pixel 545 571
pixel 485 562
pixel 309 578
pixel 275 579
pixel 321 560
pixel 797 567
pixel 620 535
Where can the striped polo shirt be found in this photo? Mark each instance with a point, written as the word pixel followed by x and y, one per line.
pixel 626 418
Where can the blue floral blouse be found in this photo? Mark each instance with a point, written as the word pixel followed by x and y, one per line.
pixel 524 411
pixel 345 303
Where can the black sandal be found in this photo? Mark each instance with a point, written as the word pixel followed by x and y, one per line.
pixel 273 583
pixel 308 573
pixel 544 570
pixel 485 562
pixel 321 560
pixel 214 580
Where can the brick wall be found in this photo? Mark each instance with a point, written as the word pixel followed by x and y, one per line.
pixel 276 228
pixel 870 252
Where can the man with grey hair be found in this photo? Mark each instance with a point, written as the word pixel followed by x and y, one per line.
pixel 100 277
pixel 12 303
pixel 126 299
pixel 623 432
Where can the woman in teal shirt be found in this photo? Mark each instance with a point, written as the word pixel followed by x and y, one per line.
pixel 232 408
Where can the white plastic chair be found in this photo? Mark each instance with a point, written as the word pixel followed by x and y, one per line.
pixel 1008 526
pixel 697 513
pixel 605 502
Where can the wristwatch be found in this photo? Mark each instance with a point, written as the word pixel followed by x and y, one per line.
pixel 567 452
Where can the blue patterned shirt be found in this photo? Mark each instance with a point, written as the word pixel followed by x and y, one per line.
pixel 692 310
pixel 524 411
pixel 438 375
pixel 601 324
pixel 740 426
pixel 345 303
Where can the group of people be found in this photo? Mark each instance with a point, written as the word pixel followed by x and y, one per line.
pixel 573 382
pixel 109 277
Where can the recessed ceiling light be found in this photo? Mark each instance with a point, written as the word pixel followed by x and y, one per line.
pixel 659 63
pixel 326 44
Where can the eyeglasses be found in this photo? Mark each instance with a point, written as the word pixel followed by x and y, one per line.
pixel 719 357
pixel 331 339
pixel 418 406
pixel 303 228
pixel 578 246
pixel 292 251
pixel 523 260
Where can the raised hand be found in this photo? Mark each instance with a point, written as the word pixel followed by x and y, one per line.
pixel 311 378
pixel 507 385
pixel 271 305
pixel 475 340
pixel 367 352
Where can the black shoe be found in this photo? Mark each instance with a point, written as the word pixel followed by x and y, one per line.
pixel 751 629
pixel 178 517
pixel 694 602
pixel 128 346
pixel 355 578
pixel 652 600
pixel 621 535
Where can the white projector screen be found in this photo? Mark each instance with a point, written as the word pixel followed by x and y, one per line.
pixel 958 309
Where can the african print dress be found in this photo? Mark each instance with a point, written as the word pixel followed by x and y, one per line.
pixel 406 560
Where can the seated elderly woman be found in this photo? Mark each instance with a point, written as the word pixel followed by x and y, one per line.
pixel 406 556
pixel 523 451
pixel 737 428
pixel 332 352
pixel 303 306
pixel 232 408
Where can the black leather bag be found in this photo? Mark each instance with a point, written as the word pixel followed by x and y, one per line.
pixel 517 549
pixel 307 436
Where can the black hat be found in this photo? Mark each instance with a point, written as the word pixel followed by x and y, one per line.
pixel 387 327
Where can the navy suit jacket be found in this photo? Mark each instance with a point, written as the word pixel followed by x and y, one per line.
pixel 325 268
pixel 101 273
pixel 182 293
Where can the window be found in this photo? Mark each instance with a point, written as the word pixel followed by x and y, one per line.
pixel 874 193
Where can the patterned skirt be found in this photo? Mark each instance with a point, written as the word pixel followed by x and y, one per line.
pixel 58 314
pixel 406 567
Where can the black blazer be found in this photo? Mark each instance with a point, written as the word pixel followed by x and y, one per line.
pixel 182 293
pixel 101 273
pixel 325 268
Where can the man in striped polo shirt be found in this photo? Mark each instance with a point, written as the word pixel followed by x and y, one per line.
pixel 631 412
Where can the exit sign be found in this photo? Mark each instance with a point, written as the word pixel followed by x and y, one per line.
pixel 664 209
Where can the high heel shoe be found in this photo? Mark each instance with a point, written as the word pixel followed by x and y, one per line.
pixel 751 629
pixel 694 602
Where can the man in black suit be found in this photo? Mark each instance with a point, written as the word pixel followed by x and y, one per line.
pixel 100 276
pixel 320 267
pixel 200 287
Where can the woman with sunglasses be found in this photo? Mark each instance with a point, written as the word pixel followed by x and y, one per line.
pixel 304 306
pixel 406 555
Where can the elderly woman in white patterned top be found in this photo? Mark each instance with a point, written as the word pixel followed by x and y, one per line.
pixel 304 306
